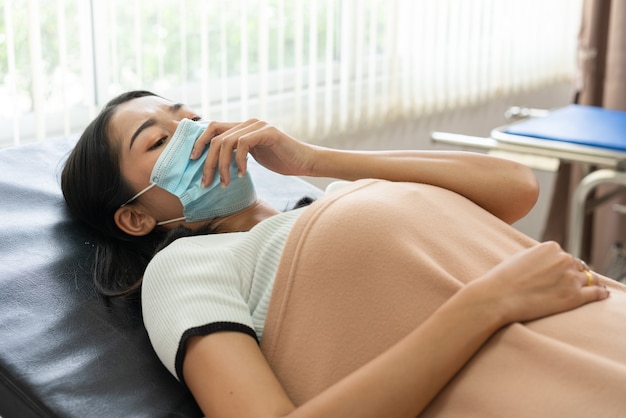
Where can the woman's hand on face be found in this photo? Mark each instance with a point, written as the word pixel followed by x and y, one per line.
pixel 271 147
pixel 540 281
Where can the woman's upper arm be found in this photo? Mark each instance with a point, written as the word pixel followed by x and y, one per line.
pixel 505 188
pixel 229 377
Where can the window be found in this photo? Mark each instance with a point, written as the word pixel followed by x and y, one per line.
pixel 312 67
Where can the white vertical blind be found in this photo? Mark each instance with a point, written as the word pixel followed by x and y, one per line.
pixel 11 95
pixel 139 43
pixel 345 65
pixel 62 41
pixel 314 67
pixel 329 66
pixel 312 70
pixel 182 36
pixel 243 75
pixel 223 75
pixel 298 56
pixel 205 62
pixel 36 68
pixel 264 64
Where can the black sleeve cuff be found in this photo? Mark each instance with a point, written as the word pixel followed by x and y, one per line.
pixel 206 330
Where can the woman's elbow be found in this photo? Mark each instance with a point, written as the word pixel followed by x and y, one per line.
pixel 525 194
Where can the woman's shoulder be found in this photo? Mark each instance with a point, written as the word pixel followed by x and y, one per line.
pixel 225 256
pixel 202 242
pixel 222 241
pixel 190 257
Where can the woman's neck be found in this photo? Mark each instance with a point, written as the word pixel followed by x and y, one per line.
pixel 244 220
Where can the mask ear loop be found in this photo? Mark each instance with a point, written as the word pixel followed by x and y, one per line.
pixel 137 195
pixel 142 192
pixel 171 220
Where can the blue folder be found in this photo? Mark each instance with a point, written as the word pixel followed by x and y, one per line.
pixel 577 124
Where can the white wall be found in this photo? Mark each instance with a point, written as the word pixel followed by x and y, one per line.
pixel 479 121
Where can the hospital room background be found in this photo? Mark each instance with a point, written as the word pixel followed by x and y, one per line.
pixel 363 74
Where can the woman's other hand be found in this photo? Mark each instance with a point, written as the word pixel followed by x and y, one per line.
pixel 268 145
pixel 540 281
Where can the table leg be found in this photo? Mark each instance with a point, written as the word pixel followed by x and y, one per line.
pixel 578 205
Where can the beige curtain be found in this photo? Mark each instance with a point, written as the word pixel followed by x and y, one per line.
pixel 602 82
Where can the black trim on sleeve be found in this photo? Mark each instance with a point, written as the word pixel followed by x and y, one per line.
pixel 206 330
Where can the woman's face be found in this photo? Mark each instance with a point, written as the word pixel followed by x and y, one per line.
pixel 141 128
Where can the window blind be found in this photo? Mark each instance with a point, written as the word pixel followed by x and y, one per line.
pixel 314 68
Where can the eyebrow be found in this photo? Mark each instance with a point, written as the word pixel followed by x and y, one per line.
pixel 151 122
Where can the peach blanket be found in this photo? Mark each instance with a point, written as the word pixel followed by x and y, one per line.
pixel 365 265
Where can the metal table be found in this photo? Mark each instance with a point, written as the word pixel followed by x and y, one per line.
pixel 602 165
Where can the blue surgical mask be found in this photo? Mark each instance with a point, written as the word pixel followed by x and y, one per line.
pixel 175 172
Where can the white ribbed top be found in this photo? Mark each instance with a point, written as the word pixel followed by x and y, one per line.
pixel 202 284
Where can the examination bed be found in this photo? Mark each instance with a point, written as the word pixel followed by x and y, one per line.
pixel 64 351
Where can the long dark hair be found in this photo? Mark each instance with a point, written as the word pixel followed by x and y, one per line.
pixel 94 189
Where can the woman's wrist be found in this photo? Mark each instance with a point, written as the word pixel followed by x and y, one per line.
pixel 485 305
pixel 328 162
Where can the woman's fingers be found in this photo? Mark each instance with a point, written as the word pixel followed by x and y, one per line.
pixel 594 292
pixel 589 279
pixel 231 141
pixel 214 135
pixel 271 147
pixel 592 287
pixel 544 280
pixel 212 130
pixel 579 264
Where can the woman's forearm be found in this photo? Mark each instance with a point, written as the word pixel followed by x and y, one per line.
pixel 229 377
pixel 505 188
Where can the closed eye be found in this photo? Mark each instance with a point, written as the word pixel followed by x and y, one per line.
pixel 157 144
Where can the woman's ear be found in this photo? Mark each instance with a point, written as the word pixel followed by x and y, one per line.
pixel 134 221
